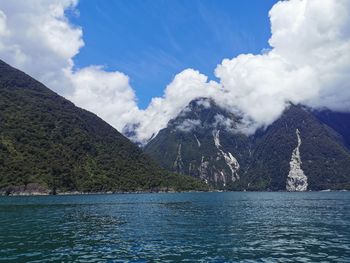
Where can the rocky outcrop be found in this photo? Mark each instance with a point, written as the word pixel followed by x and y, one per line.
pixel 296 180
pixel 29 189
pixel 231 161
pixel 200 143
pixel 297 152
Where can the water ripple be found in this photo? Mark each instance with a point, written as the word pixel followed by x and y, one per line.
pixel 188 227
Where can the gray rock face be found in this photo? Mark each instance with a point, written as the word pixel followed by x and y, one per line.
pixel 298 152
pixel 178 164
pixel 231 161
pixel 201 142
pixel 296 180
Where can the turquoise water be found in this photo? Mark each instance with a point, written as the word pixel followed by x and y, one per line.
pixel 180 227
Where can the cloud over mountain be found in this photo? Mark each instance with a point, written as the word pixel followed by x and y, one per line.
pixel 37 37
pixel 308 62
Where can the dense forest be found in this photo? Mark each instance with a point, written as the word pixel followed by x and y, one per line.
pixel 204 150
pixel 49 143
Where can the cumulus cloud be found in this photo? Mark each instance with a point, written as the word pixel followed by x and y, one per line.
pixel 308 62
pixel 205 103
pixel 188 125
pixel 107 94
pixel 186 86
pixel 228 124
pixel 37 37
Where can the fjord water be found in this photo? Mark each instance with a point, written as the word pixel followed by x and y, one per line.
pixel 177 227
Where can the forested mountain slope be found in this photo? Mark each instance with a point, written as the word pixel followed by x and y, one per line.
pixel 48 142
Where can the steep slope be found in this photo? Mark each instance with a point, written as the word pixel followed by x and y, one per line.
pixel 298 152
pixel 298 143
pixel 200 142
pixel 338 121
pixel 45 140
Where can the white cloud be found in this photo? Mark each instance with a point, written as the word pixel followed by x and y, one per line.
pixel 37 37
pixel 223 122
pixel 188 125
pixel 186 86
pixel 40 40
pixel 204 103
pixel 3 22
pixel 308 62
pixel 107 94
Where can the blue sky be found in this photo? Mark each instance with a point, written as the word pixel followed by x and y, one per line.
pixel 153 40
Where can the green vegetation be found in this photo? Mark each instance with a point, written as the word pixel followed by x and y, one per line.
pixel 165 146
pixel 45 139
pixel 325 160
pixel 263 157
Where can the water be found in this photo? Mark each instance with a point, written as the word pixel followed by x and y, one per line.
pixel 181 227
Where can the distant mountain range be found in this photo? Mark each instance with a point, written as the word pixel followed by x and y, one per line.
pixel 302 150
pixel 49 145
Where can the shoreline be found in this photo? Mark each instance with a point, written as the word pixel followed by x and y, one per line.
pixel 101 193
pixel 26 194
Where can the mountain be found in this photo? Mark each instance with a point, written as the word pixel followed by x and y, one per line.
pixel 199 143
pixel 299 143
pixel 339 121
pixel 302 150
pixel 48 144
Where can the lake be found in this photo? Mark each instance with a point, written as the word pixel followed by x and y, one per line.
pixel 177 227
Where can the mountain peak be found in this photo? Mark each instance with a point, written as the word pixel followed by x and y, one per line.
pixel 205 114
pixel 47 142
pixel 297 152
pixel 201 103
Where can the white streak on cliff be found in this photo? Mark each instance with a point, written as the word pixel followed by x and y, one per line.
pixel 203 170
pixel 296 180
pixel 198 142
pixel 178 164
pixel 216 135
pixel 230 160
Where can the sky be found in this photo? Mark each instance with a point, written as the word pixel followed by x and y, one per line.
pixel 151 41
pixel 137 64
